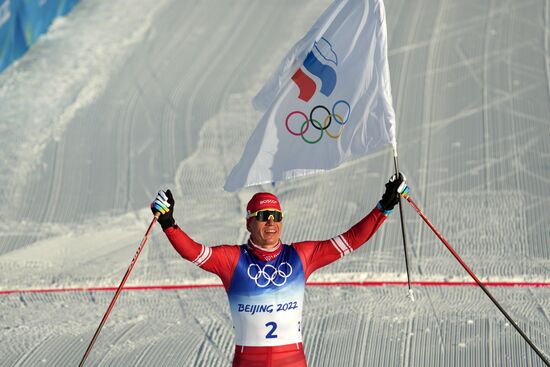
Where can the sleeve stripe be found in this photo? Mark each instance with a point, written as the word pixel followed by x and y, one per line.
pixel 203 257
pixel 208 254
pixel 341 245
pixel 200 254
pixel 346 244
pixel 336 246
pixel 350 249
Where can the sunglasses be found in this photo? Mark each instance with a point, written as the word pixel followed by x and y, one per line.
pixel 264 215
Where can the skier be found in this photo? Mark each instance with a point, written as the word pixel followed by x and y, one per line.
pixel 264 278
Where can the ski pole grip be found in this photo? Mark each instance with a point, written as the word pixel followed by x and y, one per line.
pixel 157 215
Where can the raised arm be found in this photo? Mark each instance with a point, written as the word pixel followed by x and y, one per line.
pixel 316 254
pixel 220 260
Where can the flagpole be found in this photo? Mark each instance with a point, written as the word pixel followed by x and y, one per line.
pixel 396 164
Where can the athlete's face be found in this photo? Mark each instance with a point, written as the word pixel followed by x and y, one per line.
pixel 265 234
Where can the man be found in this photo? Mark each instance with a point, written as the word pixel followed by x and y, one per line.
pixel 265 279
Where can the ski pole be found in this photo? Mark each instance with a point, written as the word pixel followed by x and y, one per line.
pixel 525 337
pixel 119 290
pixel 396 164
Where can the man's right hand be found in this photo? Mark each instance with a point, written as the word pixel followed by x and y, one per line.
pixel 164 204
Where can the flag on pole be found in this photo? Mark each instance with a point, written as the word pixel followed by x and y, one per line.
pixel 329 100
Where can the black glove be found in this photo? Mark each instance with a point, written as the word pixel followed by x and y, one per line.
pixel 164 204
pixel 395 187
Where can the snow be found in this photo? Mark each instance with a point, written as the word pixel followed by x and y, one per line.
pixel 123 98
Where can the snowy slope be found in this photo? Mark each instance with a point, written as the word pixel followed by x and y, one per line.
pixel 123 98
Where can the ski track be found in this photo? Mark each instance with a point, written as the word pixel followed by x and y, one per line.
pixel 471 84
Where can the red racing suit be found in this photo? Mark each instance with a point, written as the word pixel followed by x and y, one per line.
pixel 266 288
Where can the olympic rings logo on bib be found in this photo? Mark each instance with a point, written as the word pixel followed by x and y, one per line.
pixel 270 274
pixel 340 113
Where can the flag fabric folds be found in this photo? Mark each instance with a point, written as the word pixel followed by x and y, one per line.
pixel 329 100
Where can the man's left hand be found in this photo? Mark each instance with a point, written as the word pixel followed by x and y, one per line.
pixel 396 186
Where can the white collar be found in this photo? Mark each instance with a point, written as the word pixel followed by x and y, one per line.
pixel 265 249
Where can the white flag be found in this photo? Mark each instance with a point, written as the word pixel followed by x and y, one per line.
pixel 329 101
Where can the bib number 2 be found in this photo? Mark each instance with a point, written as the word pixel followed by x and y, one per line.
pixel 271 333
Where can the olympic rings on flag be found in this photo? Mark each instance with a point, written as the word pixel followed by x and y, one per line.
pixel 336 117
pixel 305 119
pixel 328 116
pixel 315 121
pixel 341 122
